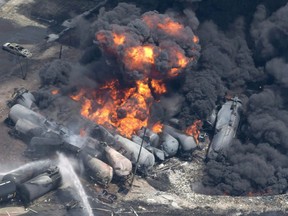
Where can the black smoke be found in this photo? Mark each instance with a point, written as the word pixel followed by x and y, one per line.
pixel 257 160
pixel 144 30
pixel 243 52
pixel 269 33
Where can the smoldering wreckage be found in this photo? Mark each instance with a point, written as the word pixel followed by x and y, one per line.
pixel 126 115
pixel 125 111
pixel 100 159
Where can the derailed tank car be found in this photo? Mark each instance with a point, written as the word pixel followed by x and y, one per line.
pixel 131 151
pixel 97 169
pixel 121 165
pixel 18 112
pixel 23 97
pixel 40 185
pixel 27 172
pixel 29 181
pixel 187 143
pixel 227 123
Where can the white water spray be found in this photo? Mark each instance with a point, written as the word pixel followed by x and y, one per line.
pixel 28 166
pixel 68 174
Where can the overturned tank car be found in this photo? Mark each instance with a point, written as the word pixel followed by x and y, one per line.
pixel 226 126
pixel 30 181
pixel 42 135
pixel 40 185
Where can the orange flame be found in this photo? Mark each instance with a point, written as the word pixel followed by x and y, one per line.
pixel 138 55
pixel 118 39
pixel 86 107
pixel 157 127
pixel 170 26
pixel 195 39
pixel 136 58
pixel 113 40
pixel 167 25
pixel 181 62
pixel 55 91
pixel 194 129
pixel 158 86
pixel 125 110
pixel 78 96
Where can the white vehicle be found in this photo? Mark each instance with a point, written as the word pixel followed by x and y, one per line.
pixel 16 49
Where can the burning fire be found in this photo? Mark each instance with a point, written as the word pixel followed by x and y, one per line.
pixel 118 39
pixel 152 57
pixel 195 39
pixel 78 96
pixel 164 59
pixel 181 62
pixel 158 87
pixel 194 129
pixel 157 128
pixel 167 25
pixel 170 27
pixel 136 57
pixel 126 110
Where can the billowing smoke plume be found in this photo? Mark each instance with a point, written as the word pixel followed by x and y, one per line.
pixel 225 64
pixel 246 57
pixel 270 34
pixel 152 45
pixel 139 53
pixel 257 163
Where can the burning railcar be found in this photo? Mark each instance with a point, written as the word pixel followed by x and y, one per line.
pixel 43 134
pixel 219 41
pixel 121 105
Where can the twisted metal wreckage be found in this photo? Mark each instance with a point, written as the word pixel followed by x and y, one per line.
pixel 113 155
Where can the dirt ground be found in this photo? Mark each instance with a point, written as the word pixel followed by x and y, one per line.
pixel 17 28
pixel 174 182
